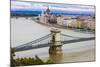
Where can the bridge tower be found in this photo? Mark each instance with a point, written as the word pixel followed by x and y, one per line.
pixel 55 50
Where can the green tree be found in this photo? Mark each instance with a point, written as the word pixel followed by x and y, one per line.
pixel 12 57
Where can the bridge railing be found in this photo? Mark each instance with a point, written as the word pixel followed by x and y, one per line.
pixel 45 41
pixel 35 41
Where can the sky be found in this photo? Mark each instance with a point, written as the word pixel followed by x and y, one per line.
pixel 24 5
pixel 85 2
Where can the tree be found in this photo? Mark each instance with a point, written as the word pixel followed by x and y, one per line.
pixel 12 57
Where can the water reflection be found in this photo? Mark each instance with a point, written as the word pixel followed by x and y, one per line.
pixel 56 54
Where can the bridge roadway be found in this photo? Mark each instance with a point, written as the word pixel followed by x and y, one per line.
pixel 29 45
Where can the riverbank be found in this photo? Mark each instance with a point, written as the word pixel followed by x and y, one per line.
pixel 74 57
pixel 65 27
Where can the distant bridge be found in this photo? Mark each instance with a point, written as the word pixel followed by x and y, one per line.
pixel 45 41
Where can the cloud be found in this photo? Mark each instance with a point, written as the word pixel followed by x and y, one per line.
pixel 18 5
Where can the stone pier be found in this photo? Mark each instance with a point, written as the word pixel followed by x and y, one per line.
pixel 55 50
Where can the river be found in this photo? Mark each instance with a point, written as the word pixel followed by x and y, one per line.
pixel 26 30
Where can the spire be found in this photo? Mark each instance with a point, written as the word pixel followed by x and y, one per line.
pixel 48 11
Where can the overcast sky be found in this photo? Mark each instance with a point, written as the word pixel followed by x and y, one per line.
pixel 38 6
pixel 87 2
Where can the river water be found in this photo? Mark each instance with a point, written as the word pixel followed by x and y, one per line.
pixel 26 30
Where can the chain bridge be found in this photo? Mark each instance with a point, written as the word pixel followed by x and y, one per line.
pixel 46 41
